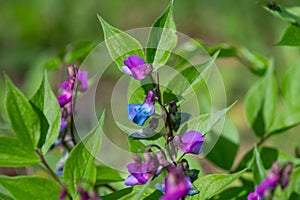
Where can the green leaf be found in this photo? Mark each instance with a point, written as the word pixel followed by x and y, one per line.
pixel 259 171
pixel 107 175
pixel 287 118
pixel 290 85
pixel 28 188
pixel 24 120
pixel 190 78
pixel 118 194
pixel 162 38
pixel 78 51
pixel 213 184
pixel 53 63
pixel 291 36
pixel 261 102
pixel 135 146
pixel 15 153
pixel 257 63
pixel 79 168
pixel 204 123
pixel 226 50
pixel 45 100
pixel 224 152
pixel 120 45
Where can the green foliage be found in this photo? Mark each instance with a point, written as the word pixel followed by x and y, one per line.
pixel 226 50
pixel 107 175
pixel 162 39
pixel 213 184
pixel 45 100
pixel 14 153
pixel 27 188
pixel 259 171
pixel 119 44
pixel 224 152
pixel 261 102
pixel 291 36
pixel 204 123
pixel 24 120
pixel 79 169
pixel 190 78
pixel 256 62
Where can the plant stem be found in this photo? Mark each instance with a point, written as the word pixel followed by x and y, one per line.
pixel 42 158
pixel 168 123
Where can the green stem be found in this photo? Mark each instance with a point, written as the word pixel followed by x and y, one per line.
pixel 42 158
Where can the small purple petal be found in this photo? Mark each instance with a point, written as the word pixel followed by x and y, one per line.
pixel 190 142
pixel 65 98
pixel 135 61
pixel 82 77
pixel 260 190
pixel 176 185
pixel 131 181
pixel 127 70
pixel 137 67
pixel 65 85
pixel 252 196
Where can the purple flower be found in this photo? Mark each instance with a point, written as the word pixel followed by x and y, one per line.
pixel 141 171
pixel 285 175
pixel 190 142
pixel 139 113
pixel 82 78
pixel 137 67
pixel 177 185
pixel 275 177
pixel 252 196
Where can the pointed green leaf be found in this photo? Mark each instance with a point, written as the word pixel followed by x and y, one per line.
pixel 107 175
pixel 15 153
pixel 79 168
pixel 259 171
pixel 261 102
pixel 190 78
pixel 162 38
pixel 224 152
pixel 204 123
pixel 119 44
pixel 28 188
pixel 24 120
pixel 213 184
pixel 290 85
pixel 78 51
pixel 45 100
pixel 291 36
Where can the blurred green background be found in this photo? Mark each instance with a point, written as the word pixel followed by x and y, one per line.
pixel 34 31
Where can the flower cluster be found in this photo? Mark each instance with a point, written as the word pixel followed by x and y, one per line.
pixel 68 89
pixel 66 97
pixel 276 176
pixel 178 182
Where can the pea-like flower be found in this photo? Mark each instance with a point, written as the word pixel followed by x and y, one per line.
pixel 136 67
pixel 139 113
pixel 276 176
pixel 141 171
pixel 177 185
pixel 190 142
